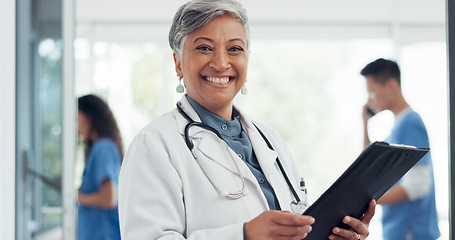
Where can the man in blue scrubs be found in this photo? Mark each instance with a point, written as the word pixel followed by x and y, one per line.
pixel 409 208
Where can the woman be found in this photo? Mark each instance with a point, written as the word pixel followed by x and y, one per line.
pixel 228 186
pixel 97 197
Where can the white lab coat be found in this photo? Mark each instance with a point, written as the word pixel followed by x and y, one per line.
pixel 163 193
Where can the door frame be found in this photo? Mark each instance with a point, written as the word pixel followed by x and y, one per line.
pixel 8 117
pixel 450 31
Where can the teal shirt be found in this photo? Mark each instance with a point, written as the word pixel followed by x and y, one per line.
pixel 103 162
pixel 238 141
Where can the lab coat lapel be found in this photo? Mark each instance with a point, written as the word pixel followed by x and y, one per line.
pixel 267 159
pixel 188 109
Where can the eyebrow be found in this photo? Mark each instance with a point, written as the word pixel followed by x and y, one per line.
pixel 211 40
pixel 202 38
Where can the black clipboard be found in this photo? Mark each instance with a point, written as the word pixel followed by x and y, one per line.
pixel 371 175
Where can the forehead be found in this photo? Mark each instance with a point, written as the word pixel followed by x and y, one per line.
pixel 224 27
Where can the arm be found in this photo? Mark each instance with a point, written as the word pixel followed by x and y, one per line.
pixel 106 198
pixel 414 185
pixel 396 194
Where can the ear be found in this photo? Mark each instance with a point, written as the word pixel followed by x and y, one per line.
pixel 392 84
pixel 178 65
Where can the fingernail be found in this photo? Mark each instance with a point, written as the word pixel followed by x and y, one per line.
pixel 313 220
pixel 347 219
pixel 336 230
pixel 331 237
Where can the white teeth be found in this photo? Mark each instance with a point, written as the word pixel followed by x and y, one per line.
pixel 216 80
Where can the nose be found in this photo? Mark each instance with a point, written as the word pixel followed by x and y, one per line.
pixel 220 61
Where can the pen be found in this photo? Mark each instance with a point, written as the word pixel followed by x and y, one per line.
pixel 304 190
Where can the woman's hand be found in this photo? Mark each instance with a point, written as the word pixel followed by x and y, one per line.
pixel 359 228
pixel 278 225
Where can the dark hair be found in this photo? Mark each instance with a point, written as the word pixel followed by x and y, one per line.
pixel 101 119
pixel 382 70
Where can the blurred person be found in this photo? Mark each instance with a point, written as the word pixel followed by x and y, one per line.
pixel 409 208
pixel 97 197
pixel 204 170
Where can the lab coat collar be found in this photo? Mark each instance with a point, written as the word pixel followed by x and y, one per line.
pixel 188 109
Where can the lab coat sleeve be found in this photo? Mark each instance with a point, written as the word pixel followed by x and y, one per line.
pixel 151 199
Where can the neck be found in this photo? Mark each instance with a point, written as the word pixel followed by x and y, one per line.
pixel 223 112
pixel 400 105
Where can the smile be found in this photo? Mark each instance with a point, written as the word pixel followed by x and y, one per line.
pixel 218 80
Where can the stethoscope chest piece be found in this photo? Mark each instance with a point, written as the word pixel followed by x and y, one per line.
pixel 299 207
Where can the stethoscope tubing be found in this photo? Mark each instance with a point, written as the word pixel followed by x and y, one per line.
pixel 190 146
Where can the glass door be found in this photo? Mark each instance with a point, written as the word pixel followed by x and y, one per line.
pixel 40 121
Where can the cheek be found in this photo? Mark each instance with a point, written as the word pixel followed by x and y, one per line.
pixel 80 127
pixel 242 67
pixel 192 65
pixel 79 124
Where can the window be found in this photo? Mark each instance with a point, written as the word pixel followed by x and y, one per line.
pixel 309 91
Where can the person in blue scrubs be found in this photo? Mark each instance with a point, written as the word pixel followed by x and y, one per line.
pixel 409 207
pixel 97 197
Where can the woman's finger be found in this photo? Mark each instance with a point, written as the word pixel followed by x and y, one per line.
pixel 289 219
pixel 293 230
pixel 369 213
pixel 278 225
pixel 336 237
pixel 356 224
pixel 345 234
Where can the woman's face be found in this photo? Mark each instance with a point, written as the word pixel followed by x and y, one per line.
pixel 83 125
pixel 214 62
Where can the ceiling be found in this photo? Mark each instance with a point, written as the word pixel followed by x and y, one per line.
pixel 151 19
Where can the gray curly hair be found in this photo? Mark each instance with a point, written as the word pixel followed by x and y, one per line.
pixel 196 13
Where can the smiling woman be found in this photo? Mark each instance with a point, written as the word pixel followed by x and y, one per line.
pixel 214 64
pixel 169 190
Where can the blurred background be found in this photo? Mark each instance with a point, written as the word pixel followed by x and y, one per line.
pixel 303 81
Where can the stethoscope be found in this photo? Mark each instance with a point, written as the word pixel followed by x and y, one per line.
pixel 297 206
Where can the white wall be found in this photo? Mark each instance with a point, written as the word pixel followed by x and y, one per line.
pixel 7 119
